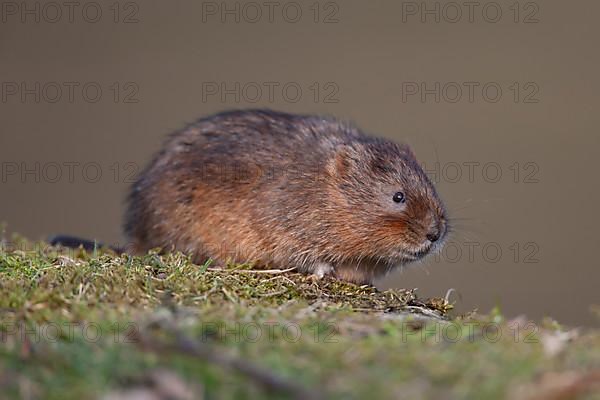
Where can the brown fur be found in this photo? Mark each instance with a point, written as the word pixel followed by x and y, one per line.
pixel 285 190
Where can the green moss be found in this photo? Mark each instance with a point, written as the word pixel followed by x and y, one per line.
pixel 100 323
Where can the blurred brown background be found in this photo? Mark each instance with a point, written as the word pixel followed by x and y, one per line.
pixel 93 90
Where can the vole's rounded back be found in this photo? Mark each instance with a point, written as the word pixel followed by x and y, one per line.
pixel 286 190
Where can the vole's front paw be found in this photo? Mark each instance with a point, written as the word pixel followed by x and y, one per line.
pixel 320 270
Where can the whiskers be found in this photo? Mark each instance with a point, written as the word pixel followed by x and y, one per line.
pixel 420 263
pixel 466 227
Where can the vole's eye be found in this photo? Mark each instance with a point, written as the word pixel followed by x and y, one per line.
pixel 399 197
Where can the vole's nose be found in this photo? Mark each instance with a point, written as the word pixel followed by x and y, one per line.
pixel 436 231
pixel 433 236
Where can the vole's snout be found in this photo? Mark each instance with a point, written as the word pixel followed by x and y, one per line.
pixel 437 230
pixel 433 235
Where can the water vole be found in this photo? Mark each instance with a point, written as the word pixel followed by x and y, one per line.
pixel 284 190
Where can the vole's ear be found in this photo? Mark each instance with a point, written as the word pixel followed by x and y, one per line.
pixel 343 162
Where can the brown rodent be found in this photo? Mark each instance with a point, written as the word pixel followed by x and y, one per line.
pixel 283 190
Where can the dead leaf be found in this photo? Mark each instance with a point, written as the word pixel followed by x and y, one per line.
pixel 554 342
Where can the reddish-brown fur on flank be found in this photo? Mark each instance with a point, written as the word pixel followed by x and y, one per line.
pixel 286 190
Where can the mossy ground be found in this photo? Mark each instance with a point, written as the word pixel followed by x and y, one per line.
pixel 78 325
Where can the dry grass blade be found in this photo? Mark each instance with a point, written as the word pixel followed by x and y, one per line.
pixel 253 271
